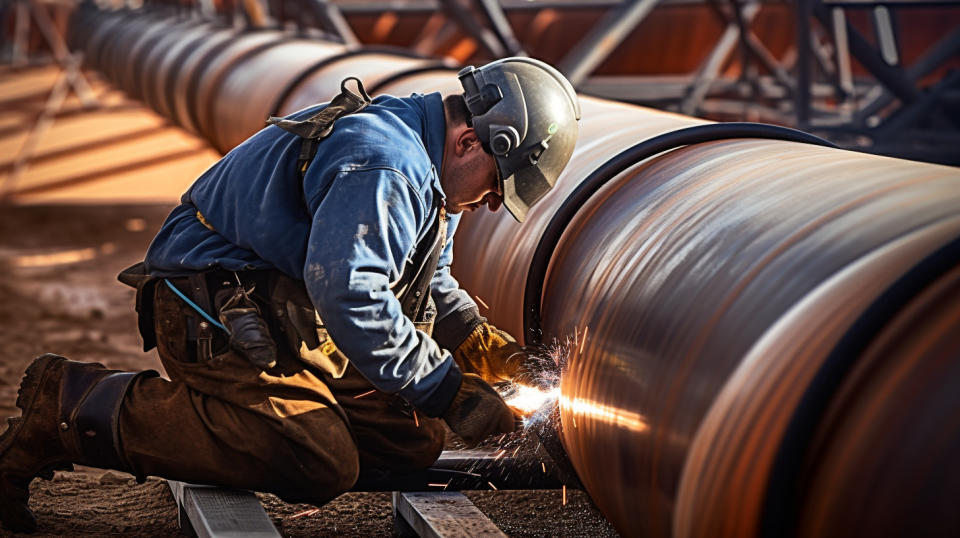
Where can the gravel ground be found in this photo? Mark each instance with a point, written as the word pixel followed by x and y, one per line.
pixel 59 294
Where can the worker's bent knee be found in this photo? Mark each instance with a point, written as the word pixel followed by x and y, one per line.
pixel 326 466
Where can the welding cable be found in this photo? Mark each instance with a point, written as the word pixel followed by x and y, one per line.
pixel 536 274
pixel 193 305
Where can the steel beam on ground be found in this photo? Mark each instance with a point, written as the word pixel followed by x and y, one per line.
pixel 211 512
pixel 440 515
pixel 603 39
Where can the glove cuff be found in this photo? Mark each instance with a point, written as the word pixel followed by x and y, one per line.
pixel 455 327
pixel 437 403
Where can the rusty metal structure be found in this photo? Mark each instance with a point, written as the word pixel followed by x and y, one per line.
pixel 764 330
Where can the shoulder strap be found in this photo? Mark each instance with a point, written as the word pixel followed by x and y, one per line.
pixel 319 126
pixel 414 285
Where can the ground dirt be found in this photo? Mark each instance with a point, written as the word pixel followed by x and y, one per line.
pixel 58 293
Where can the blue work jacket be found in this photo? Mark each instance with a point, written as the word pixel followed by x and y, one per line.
pixel 370 194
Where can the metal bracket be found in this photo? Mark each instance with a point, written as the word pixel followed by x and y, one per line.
pixel 212 512
pixel 440 515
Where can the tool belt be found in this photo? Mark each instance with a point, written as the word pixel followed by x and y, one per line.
pixel 283 303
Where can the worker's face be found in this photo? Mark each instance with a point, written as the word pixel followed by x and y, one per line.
pixel 469 176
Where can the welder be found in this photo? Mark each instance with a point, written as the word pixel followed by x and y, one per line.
pixel 301 301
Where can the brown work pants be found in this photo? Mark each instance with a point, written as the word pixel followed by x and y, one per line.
pixel 293 430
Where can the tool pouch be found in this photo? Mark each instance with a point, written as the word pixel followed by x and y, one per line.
pixel 249 335
pixel 136 277
pixel 306 334
pixel 305 331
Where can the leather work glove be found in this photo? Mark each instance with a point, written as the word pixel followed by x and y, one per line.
pixel 249 335
pixel 477 411
pixel 494 355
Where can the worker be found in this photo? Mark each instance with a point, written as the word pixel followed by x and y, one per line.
pixel 292 296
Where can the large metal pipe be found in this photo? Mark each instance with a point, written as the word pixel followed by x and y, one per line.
pixel 764 333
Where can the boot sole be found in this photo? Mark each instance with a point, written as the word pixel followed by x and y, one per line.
pixel 32 379
pixel 15 515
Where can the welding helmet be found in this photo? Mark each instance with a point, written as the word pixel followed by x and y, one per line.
pixel 525 114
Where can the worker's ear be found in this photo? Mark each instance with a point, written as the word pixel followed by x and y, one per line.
pixel 467 141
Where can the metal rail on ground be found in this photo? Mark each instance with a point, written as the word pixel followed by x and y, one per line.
pixel 440 514
pixel 213 512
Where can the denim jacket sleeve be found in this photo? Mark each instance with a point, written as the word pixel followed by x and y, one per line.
pixel 362 231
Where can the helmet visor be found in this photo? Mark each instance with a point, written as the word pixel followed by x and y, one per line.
pixel 522 189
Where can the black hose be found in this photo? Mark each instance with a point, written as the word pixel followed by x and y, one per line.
pixel 536 275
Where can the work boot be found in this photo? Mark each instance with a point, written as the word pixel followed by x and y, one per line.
pixel 69 414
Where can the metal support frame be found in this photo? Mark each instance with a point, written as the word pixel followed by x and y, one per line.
pixel 438 514
pixel 921 108
pixel 212 512
pixel 943 50
pixel 844 71
pixel 801 101
pixel 426 502
pixel 710 68
pixel 892 76
pixel 70 78
pixel 437 30
pixel 333 21
pixel 481 34
pixel 501 27
pixel 603 39
pixel 930 115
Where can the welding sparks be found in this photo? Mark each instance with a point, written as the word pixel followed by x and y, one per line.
pixel 479 300
pixel 544 467
pixel 492 486
pixel 309 512
pixel 584 340
pixel 564 495
pixel 368 393
pixel 416 421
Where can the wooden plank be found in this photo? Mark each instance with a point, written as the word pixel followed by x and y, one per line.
pixel 441 515
pixel 212 512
